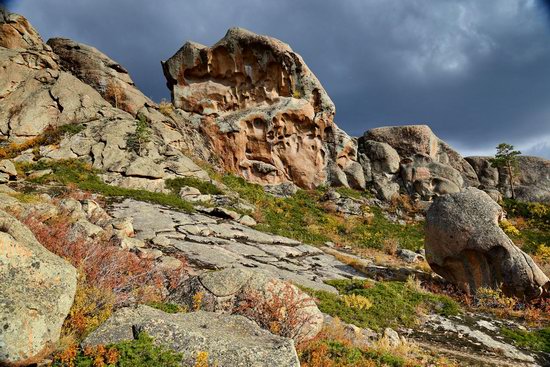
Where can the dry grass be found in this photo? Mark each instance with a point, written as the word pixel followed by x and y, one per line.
pixel 166 108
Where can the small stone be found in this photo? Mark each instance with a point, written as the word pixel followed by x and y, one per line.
pixel 148 253
pixel 392 337
pixel 131 243
pixel 6 166
pixel 409 256
pixel 247 221
pixel 40 173
pixel 186 191
pixel 169 263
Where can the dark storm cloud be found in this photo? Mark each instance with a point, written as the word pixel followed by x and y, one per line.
pixel 478 72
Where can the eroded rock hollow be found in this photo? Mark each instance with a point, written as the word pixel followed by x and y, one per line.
pixel 267 115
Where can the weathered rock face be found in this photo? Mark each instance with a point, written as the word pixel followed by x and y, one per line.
pixel 465 245
pixel 531 184
pixel 413 159
pixel 36 93
pixel 267 115
pixel 96 69
pixel 252 294
pixel 229 340
pixel 36 292
pixel 16 32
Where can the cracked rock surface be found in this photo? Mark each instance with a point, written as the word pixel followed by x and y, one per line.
pixel 213 243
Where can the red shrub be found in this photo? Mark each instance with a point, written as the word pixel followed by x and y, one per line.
pixel 104 264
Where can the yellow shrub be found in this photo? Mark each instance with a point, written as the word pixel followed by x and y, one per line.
pixel 493 298
pixel 509 228
pixel 91 307
pixel 202 359
pixel 357 301
pixel 166 108
pixel 197 301
pixel 543 252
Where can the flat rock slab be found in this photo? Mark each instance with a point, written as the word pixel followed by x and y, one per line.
pixel 229 340
pixel 213 243
pixel 476 339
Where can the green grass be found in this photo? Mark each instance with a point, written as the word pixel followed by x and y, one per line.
pixel 205 187
pixel 141 352
pixel 78 173
pixel 167 307
pixel 303 217
pixel 393 303
pixel 538 340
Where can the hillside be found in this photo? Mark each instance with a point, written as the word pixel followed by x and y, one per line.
pixel 238 225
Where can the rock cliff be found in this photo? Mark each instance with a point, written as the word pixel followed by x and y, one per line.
pixel 268 117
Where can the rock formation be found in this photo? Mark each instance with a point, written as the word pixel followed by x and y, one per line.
pixel 36 292
pixel 99 71
pixel 267 116
pixel 531 184
pixel 412 158
pixel 465 245
pixel 229 340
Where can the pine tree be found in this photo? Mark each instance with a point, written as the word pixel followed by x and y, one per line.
pixel 506 157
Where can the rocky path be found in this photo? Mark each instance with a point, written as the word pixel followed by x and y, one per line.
pixel 212 243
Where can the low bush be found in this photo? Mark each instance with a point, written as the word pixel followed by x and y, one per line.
pixel 109 276
pixel 280 309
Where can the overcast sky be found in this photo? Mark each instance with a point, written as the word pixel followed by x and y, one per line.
pixel 476 71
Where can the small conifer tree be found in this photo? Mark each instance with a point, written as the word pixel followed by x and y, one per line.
pixel 506 157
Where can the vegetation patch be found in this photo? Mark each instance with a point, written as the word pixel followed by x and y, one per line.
pixel 532 221
pixel 78 173
pixel 303 217
pixel 52 135
pixel 537 340
pixel 141 352
pixel 334 347
pixel 337 353
pixel 205 187
pixel 168 307
pixel 390 304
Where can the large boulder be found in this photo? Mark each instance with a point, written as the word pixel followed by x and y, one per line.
pixel 96 69
pixel 229 340
pixel 267 116
pixel 272 303
pixel 465 245
pixel 36 292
